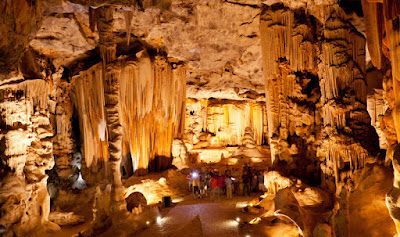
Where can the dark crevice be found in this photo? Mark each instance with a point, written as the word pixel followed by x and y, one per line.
pixel 243 4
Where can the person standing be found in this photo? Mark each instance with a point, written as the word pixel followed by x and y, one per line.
pixel 260 179
pixel 254 179
pixel 207 185
pixel 196 185
pixel 214 187
pixel 228 185
pixel 190 180
pixel 246 179
pixel 236 181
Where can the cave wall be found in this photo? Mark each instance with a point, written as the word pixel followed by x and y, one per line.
pixel 20 19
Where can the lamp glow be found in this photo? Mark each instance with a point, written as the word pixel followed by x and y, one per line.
pixel 148 222
pixel 237 219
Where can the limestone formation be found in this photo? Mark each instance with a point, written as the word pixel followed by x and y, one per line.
pixel 377 108
pixel 393 196
pixel 68 218
pixel 180 154
pixel 20 20
pixel 292 86
pixel 226 120
pixel 101 100
pixel 26 130
pixel 140 81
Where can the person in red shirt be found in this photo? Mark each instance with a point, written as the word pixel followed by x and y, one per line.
pixel 214 186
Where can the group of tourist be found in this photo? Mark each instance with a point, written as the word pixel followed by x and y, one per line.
pixel 215 184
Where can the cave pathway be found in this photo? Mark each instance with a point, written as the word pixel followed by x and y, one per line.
pixel 216 220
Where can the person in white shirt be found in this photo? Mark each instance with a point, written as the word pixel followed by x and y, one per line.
pixel 228 184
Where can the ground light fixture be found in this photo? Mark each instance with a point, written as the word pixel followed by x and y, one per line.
pixel 148 222
pixel 159 219
pixel 237 219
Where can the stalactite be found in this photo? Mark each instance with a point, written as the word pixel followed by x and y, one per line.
pixel 151 109
pixel 291 57
pixel 128 19
pixel 284 36
pixel 288 48
pixel 344 92
pixel 89 100
pixel 153 103
pixel 373 16
pixel 227 119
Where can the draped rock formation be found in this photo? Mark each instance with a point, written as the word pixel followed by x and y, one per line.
pixel 383 19
pixel 225 120
pixel 318 65
pixel 292 87
pixel 377 106
pixel 348 138
pixel 152 104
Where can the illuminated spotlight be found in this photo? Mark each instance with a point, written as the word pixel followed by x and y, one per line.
pixel 247 235
pixel 237 219
pixel 255 221
pixel 159 219
pixel 241 204
pixel 194 175
pixel 176 200
pixel 148 222
pixel 251 204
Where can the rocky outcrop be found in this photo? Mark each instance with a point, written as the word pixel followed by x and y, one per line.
pixel 180 154
pixel 19 22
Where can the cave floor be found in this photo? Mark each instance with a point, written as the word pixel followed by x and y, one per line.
pixel 201 217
